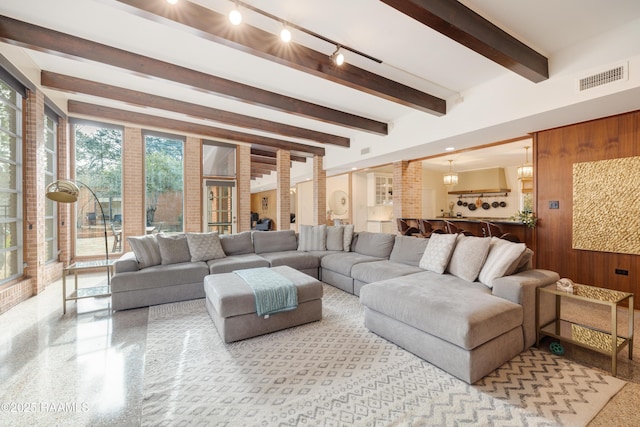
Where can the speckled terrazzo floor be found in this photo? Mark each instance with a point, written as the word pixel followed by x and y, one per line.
pixel 91 362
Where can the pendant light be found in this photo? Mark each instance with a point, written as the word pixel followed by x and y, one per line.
pixel 525 171
pixel 450 178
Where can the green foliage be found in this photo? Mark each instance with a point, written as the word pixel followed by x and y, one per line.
pixel 99 159
pixel 528 218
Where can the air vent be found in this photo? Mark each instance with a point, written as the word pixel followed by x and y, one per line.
pixel 612 75
pixel 365 151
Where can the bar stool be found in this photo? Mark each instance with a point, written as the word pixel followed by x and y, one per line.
pixel 490 229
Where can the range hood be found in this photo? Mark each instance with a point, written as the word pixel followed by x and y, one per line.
pixel 481 181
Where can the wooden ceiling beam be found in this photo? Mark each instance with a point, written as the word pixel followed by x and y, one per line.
pixel 214 26
pixel 123 116
pixel 459 23
pixel 272 154
pixel 76 85
pixel 264 160
pixel 262 168
pixel 42 39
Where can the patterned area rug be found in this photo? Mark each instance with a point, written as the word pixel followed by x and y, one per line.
pixel 335 372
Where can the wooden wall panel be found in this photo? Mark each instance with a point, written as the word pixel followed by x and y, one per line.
pixel 556 151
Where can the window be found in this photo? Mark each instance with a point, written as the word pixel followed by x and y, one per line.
pixel 164 170
pixel 218 159
pixel 11 248
pixel 51 213
pixel 99 167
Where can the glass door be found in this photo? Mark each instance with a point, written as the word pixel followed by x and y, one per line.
pixel 219 206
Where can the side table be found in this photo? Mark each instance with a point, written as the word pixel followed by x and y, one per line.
pixel 90 292
pixel 606 342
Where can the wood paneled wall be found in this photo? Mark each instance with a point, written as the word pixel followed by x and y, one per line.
pixel 556 151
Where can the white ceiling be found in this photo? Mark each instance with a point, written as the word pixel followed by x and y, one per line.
pixel 411 53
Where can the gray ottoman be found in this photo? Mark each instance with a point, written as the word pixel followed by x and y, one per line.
pixel 231 305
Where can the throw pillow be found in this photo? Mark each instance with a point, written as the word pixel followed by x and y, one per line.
pixel 502 260
pixel 204 246
pixel 468 257
pixel 335 238
pixel 439 249
pixel 173 249
pixel 146 250
pixel 348 237
pixel 313 238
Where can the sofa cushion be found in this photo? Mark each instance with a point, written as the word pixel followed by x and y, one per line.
pixel 236 262
pixel 237 244
pixel 342 262
pixel 368 272
pixel 335 238
pixel 438 252
pixel 173 249
pixel 377 245
pixel 146 250
pixel 312 238
pixel 160 276
pixel 347 237
pixel 204 246
pixel 408 250
pixel 294 259
pixel 274 241
pixel 442 305
pixel 468 257
pixel 502 260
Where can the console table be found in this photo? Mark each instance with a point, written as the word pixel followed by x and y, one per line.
pixel 89 292
pixel 606 342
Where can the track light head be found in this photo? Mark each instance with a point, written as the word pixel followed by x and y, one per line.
pixel 235 17
pixel 337 57
pixel 172 1
pixel 285 35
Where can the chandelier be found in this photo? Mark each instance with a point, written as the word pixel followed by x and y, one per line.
pixel 450 178
pixel 525 171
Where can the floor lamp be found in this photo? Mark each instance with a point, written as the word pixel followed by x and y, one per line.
pixel 67 191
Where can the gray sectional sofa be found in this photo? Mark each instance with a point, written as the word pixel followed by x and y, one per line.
pixel 467 312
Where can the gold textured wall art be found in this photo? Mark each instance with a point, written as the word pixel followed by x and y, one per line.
pixel 606 206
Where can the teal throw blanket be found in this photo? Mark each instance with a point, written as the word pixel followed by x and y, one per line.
pixel 274 293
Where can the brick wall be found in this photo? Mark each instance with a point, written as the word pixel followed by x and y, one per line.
pixel 407 189
pixel 319 191
pixel 133 185
pixel 192 185
pixel 243 183
pixel 283 197
pixel 33 188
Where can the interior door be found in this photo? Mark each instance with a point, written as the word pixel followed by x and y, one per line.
pixel 219 206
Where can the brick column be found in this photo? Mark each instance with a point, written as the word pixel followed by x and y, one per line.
pixel 283 207
pixel 134 188
pixel 407 189
pixel 33 189
pixel 319 191
pixel 243 187
pixel 192 185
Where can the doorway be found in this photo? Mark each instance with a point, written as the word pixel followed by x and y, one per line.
pixel 219 206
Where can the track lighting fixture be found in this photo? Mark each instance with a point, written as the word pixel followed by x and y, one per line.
pixel 172 1
pixel 337 57
pixel 235 17
pixel 285 34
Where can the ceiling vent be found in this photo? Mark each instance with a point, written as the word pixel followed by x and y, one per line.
pixel 611 75
pixel 365 151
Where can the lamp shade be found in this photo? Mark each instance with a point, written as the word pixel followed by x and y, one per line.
pixel 63 191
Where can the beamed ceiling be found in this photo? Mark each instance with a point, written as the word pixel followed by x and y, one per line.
pixel 183 68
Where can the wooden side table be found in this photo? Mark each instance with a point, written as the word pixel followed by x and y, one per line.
pixel 90 292
pixel 606 342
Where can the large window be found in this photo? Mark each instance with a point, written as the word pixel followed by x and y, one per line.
pixel 10 183
pixel 98 166
pixel 164 170
pixel 50 215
